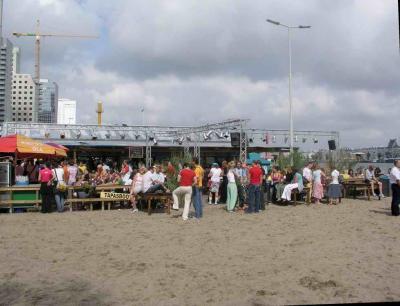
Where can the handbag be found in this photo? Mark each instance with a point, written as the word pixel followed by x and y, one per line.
pixel 60 185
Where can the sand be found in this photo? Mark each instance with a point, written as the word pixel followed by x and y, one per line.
pixel 285 255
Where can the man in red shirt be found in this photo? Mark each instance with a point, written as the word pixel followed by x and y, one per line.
pixel 255 175
pixel 186 178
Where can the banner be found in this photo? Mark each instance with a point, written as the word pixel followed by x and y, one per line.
pixel 114 195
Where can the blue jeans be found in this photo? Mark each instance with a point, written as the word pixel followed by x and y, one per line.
pixel 197 202
pixel 60 199
pixel 254 198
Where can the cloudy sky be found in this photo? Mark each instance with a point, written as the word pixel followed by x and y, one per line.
pixel 190 62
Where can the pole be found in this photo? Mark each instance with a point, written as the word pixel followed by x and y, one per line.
pixel 37 51
pixel 142 116
pixel 290 98
pixel 1 20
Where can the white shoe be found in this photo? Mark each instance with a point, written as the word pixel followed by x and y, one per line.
pixel 374 195
pixel 382 195
pixel 209 203
pixel 135 210
pixel 216 203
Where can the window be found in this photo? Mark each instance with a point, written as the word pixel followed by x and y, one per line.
pixel 31 87
pixel 20 87
pixel 25 87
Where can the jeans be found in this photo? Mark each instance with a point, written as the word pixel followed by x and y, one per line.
pixel 254 198
pixel 197 202
pixel 241 194
pixel 60 199
pixel 155 188
pixel 395 199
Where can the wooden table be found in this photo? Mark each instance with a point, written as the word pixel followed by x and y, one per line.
pixel 357 184
pixel 165 198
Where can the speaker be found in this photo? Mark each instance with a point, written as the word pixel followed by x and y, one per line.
pixel 235 139
pixel 332 145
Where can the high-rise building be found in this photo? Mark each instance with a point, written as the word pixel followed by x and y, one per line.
pixel 5 78
pixel 23 104
pixel 66 113
pixel 16 60
pixel 47 101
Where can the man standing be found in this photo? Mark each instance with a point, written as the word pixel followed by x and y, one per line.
pixel 371 179
pixel 241 173
pixel 197 190
pixel 395 183
pixel 186 178
pixel 307 178
pixel 255 175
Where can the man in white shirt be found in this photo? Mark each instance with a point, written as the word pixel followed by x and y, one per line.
pixel 307 172
pixel 395 183
pixel 156 179
pixel 215 178
pixel 370 178
pixel 307 177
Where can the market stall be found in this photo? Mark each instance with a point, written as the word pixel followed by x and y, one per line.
pixel 22 194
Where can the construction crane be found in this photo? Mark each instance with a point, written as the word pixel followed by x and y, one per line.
pixel 38 35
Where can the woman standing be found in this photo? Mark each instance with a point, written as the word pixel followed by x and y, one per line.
pixel 46 189
pixel 318 189
pixel 224 184
pixel 61 189
pixel 232 192
pixel 334 192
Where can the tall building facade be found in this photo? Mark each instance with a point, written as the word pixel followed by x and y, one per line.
pixel 23 103
pixel 16 60
pixel 47 101
pixel 6 64
pixel 66 113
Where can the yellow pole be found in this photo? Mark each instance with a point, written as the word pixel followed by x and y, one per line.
pixel 99 111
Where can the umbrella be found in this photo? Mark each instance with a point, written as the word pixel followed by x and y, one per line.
pixel 20 144
pixel 56 145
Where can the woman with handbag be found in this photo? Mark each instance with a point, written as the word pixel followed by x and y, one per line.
pixel 60 187
pixel 46 189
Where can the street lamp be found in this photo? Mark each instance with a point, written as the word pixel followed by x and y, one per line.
pixel 290 79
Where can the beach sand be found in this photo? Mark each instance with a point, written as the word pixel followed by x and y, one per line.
pixel 285 255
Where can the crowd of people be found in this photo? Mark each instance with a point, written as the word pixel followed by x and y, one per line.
pixel 241 187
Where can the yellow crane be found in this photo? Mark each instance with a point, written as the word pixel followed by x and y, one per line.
pixel 38 35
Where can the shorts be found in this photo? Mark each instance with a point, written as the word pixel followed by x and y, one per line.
pixel 214 186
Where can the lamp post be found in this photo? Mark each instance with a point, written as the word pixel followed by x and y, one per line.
pixel 290 79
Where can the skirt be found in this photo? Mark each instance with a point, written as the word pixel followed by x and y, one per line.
pixel 318 191
pixel 214 186
pixel 334 191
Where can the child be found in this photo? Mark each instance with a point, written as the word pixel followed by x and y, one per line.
pixel 334 192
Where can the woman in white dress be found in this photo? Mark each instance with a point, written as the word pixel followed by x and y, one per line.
pixel 137 187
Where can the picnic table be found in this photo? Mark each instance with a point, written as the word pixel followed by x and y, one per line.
pixel 164 198
pixel 355 185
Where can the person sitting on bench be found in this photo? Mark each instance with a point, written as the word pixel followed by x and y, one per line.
pixel 153 180
pixel 371 179
pixel 297 182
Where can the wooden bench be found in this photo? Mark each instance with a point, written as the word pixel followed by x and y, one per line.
pixel 306 190
pixel 165 198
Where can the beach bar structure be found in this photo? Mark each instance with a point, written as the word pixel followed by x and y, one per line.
pixel 226 139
